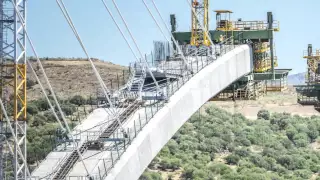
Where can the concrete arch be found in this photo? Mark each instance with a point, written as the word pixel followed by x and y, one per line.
pixel 185 102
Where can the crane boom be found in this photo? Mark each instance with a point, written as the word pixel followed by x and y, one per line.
pixel 200 23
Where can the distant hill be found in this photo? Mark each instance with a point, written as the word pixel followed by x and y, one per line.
pixel 70 77
pixel 296 79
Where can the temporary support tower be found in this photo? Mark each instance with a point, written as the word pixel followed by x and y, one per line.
pixel 13 82
pixel 200 18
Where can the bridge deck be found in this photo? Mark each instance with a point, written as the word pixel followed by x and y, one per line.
pixel 56 157
pixel 95 160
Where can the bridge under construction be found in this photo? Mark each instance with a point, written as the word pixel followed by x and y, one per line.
pixel 236 60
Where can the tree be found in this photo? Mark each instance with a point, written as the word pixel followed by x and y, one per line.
pixel 167 163
pixel 68 109
pixel 39 120
pixel 220 169
pixel 305 174
pixel 42 104
pixel 232 159
pixel 301 140
pixel 78 100
pixel 150 176
pixel 173 146
pixel 286 161
pixel 313 133
pixel 283 123
pixel 242 152
pixel 263 114
pixel 30 83
pixel 291 132
pixel 32 109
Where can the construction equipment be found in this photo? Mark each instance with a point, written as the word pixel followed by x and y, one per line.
pixel 313 62
pixel 200 23
pixel 223 20
pixel 309 94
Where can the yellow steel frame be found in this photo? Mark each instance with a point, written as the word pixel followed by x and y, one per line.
pixel 200 12
pixel 264 65
pixel 17 79
pixel 229 27
pixel 312 62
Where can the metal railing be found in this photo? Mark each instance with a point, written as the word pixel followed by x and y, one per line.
pixel 254 25
pixel 314 53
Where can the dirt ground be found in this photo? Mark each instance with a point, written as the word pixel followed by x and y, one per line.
pixel 274 102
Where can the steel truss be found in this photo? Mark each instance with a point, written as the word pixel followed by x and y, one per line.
pixel 13 72
pixel 200 18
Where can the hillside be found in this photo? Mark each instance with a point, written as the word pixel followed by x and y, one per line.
pixel 74 82
pixel 296 79
pixel 70 77
pixel 218 145
pixel 215 144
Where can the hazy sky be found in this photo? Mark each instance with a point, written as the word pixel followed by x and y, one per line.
pixel 53 38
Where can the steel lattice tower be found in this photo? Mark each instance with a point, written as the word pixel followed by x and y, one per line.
pixel 200 21
pixel 13 89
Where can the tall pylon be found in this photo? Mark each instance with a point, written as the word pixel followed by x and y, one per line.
pixel 13 80
pixel 200 18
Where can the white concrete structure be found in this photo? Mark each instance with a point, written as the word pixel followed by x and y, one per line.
pixel 94 122
pixel 182 104
pixel 185 102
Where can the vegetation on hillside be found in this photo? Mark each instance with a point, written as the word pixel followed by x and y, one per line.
pixel 219 145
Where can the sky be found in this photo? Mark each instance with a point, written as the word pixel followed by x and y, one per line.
pixel 53 37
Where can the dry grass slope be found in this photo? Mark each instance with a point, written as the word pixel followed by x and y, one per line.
pixel 75 77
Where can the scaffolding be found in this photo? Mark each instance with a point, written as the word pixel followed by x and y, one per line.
pixel 224 23
pixel 252 90
pixel 309 94
pixel 313 62
pixel 200 18
pixel 262 57
pixel 277 85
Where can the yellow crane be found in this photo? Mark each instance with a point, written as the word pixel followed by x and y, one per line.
pixel 200 23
